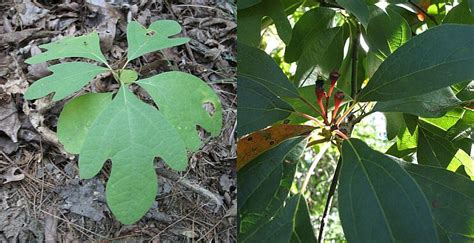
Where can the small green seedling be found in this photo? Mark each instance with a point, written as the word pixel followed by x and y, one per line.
pixel 120 127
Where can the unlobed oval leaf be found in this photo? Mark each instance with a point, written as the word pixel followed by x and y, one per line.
pixel 435 59
pixel 181 98
pixel 130 133
pixel 66 79
pixel 127 76
pixel 77 117
pixel 86 46
pixel 157 37
pixel 379 201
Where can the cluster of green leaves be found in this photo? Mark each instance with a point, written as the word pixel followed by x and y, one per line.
pixel 121 127
pixel 418 73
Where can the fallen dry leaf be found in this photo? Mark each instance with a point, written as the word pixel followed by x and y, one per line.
pixel 12 175
pixel 9 122
pixel 254 144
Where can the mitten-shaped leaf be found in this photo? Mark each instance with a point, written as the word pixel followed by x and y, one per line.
pixel 141 40
pixel 78 116
pixel 66 79
pixel 181 98
pixel 130 133
pixel 86 46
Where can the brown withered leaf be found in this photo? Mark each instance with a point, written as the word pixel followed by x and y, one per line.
pixel 9 122
pixel 254 144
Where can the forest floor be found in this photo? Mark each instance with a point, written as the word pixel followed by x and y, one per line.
pixel 42 197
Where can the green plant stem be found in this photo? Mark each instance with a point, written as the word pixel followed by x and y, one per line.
pixel 332 190
pixel 309 118
pixel 310 105
pixel 313 166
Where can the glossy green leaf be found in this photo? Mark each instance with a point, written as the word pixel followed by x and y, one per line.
pixel 249 22
pixel 471 6
pixel 291 224
pixel 393 123
pixel 460 14
pixel 448 120
pixel 258 66
pixel 157 37
pixel 77 117
pixel 258 107
pixel 314 21
pixel 357 7
pixel 66 79
pixel 450 196
pixel 435 150
pixel 438 57
pixel 432 104
pixel 184 114
pixel 86 46
pixel 379 201
pixel 463 129
pixel 130 133
pixel 325 52
pixel 387 31
pixel 264 185
pixel 128 76
pixel 247 3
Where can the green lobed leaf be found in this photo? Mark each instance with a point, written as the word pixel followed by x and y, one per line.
pixel 130 133
pixel 357 7
pixel 387 31
pixel 451 197
pixel 167 90
pixel 157 37
pixel 432 104
pixel 265 184
pixel 66 79
pixel 86 46
pixel 258 66
pixel 312 21
pixel 291 224
pixel 77 117
pixel 258 107
pixel 438 57
pixel 249 22
pixel 379 201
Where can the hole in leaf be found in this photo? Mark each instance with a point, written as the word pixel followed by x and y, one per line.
pixel 151 33
pixel 209 107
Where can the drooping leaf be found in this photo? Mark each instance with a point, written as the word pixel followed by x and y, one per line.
pixel 256 143
pixel 256 65
pixel 411 67
pixel 312 21
pixel 460 14
pixel 291 224
pixel 451 197
pixel 265 183
pixel 77 117
pixel 185 112
pixel 258 107
pixel 128 76
pixel 157 37
pixel 324 51
pixel 379 201
pixel 66 79
pixel 387 31
pixel 357 7
pixel 249 22
pixel 130 133
pixel 86 46
pixel 432 104
pixel 435 150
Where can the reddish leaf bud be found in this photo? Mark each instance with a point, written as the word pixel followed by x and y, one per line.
pixel 333 76
pixel 338 97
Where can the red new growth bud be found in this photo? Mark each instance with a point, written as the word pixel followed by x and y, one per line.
pixel 338 97
pixel 333 76
pixel 319 90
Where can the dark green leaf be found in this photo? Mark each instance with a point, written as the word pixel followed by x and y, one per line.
pixel 379 201
pixel 357 7
pixel 471 6
pixel 438 57
pixel 258 66
pixel 258 107
pixel 265 183
pixel 304 33
pixel 433 104
pixel 393 123
pixel 451 197
pixel 249 22
pixel 460 14
pixel 247 3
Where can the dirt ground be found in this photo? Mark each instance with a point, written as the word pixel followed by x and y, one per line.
pixel 41 195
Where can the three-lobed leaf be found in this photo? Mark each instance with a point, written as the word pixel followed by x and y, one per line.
pixel 157 37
